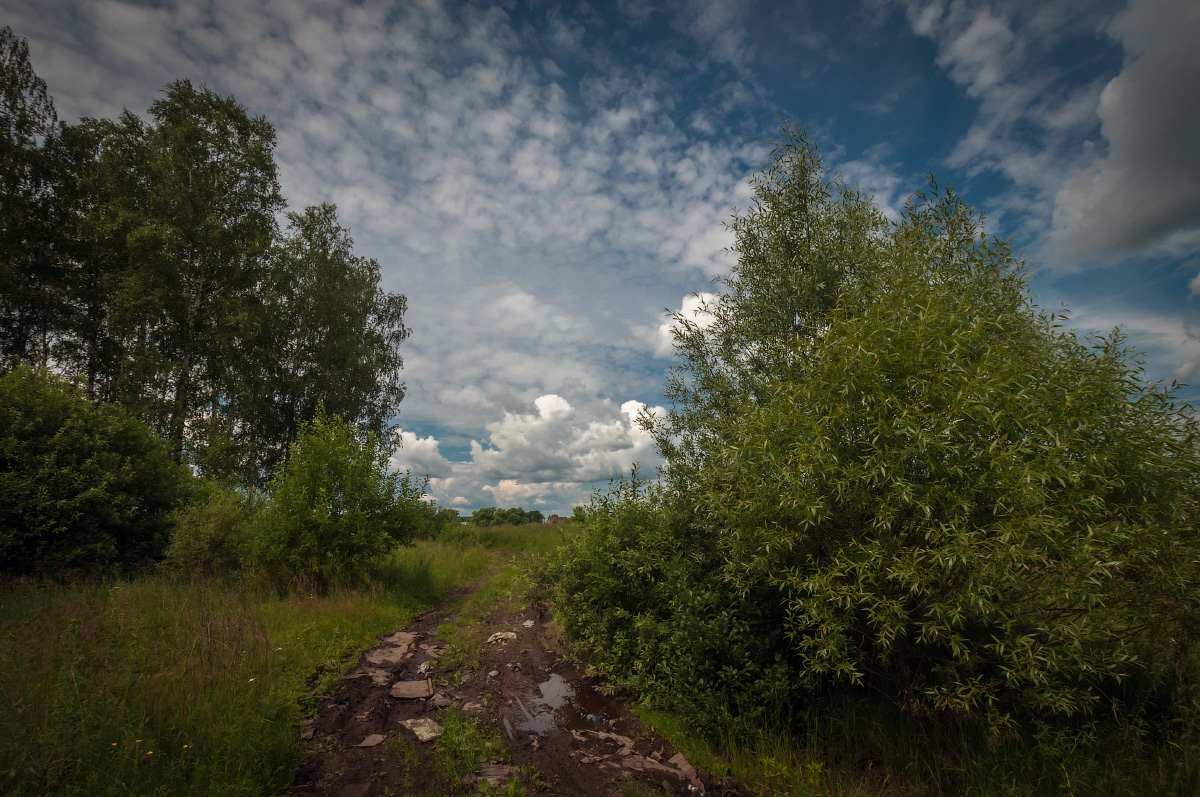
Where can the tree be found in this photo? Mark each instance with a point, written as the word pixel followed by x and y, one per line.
pixel 82 486
pixel 330 336
pixel 334 505
pixel 29 282
pixel 205 220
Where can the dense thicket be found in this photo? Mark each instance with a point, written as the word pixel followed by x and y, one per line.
pixel 82 486
pixel 145 259
pixel 893 469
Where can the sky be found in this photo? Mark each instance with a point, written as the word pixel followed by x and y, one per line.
pixel 544 181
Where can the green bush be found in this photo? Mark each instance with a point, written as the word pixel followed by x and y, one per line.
pixel 334 505
pixel 927 489
pixel 640 593
pixel 212 535
pixel 82 486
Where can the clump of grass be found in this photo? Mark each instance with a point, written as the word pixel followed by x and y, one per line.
pixel 464 747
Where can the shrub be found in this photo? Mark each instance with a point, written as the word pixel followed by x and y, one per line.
pixel 334 505
pixel 212 535
pixel 82 486
pixel 883 451
pixel 640 593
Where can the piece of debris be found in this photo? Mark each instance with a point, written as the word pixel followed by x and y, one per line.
pixel 493 673
pixel 433 651
pixel 424 669
pixel 533 741
pixel 425 728
pixel 371 741
pixel 470 708
pixel 528 623
pixel 466 678
pixel 681 763
pixel 494 774
pixel 441 700
pixel 508 728
pixel 400 639
pixel 502 636
pixel 386 656
pixel 412 690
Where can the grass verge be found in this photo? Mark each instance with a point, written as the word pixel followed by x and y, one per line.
pixel 161 685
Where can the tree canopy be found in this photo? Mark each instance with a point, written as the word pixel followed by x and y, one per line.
pixel 145 259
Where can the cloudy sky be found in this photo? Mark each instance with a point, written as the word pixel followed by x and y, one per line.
pixel 544 179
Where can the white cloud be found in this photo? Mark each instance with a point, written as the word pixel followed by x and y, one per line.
pixel 1147 186
pixel 421 455
pixel 662 337
pixel 547 456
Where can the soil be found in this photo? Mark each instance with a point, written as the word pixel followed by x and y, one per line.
pixel 561 734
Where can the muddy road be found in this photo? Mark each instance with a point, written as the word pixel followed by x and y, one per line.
pixel 498 710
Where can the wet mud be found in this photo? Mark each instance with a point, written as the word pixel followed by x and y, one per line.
pixel 564 735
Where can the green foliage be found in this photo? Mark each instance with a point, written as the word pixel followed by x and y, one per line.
pixel 212 535
pixel 513 516
pixel 639 591
pixel 144 258
pixel 901 476
pixel 334 506
pixel 81 485
pixel 30 282
pixel 462 745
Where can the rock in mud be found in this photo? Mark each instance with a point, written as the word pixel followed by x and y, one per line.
pixel 412 690
pixel 371 741
pixel 425 728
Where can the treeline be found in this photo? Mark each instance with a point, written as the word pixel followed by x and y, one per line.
pixel 146 260
pixel 181 376
pixel 513 516
pixel 903 502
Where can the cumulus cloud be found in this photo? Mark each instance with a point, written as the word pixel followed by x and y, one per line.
pixel 1032 115
pixel 548 455
pixel 1147 185
pixel 662 337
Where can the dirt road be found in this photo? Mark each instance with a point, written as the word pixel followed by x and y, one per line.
pixel 501 712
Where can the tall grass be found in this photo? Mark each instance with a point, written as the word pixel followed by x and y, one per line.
pixel 163 685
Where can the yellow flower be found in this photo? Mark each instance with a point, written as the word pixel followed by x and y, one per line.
pixel 137 741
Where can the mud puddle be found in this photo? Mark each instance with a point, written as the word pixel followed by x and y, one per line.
pixel 563 735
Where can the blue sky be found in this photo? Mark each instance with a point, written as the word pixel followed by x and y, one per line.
pixel 543 179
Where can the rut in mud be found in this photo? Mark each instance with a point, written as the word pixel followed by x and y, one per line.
pixel 400 715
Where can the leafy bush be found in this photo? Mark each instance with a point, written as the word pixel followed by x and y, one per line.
pixel 334 505
pixel 213 535
pixel 81 485
pixel 884 453
pixel 640 592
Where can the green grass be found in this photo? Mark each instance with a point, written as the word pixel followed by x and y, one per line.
pixel 161 685
pixel 537 539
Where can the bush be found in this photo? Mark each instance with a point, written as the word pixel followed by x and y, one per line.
pixel 82 486
pixel 334 505
pixel 213 535
pixel 884 451
pixel 640 593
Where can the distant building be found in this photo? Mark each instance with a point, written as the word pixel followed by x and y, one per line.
pixel 554 519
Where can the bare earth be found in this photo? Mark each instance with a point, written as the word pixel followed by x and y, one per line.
pixel 563 737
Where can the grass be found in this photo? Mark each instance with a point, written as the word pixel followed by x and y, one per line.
pixel 161 685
